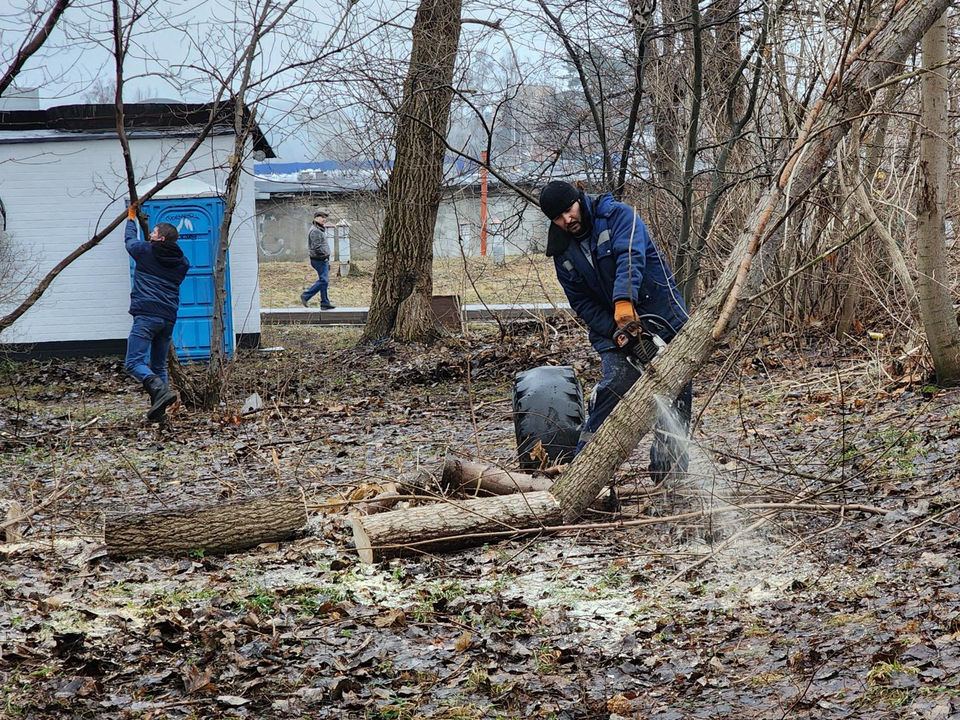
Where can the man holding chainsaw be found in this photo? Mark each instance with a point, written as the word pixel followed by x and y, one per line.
pixel 620 285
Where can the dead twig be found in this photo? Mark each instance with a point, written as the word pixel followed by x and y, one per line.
pixel 53 497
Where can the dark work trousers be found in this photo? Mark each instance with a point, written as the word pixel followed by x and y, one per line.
pixel 668 452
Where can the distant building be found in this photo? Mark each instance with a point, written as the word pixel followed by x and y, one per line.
pixel 354 200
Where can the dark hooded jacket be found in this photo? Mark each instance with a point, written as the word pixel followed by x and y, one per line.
pixel 159 270
pixel 624 264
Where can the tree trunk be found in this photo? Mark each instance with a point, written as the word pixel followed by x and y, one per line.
pixel 213 385
pixel 686 253
pixel 936 306
pixel 403 278
pixel 641 20
pixel 212 529
pixel 666 96
pixel 434 528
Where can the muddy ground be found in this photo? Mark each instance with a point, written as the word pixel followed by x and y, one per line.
pixel 822 613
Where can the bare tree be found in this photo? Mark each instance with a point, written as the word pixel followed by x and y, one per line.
pixel 403 279
pixel 936 305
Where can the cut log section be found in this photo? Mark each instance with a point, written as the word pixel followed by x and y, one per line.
pixel 11 529
pixel 474 479
pixel 450 526
pixel 461 476
pixel 226 527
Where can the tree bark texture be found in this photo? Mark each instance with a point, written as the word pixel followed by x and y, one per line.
pixel 226 527
pixel 451 526
pixel 827 121
pixel 403 278
pixel 666 91
pixel 936 306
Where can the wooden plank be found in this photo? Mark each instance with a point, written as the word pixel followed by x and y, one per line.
pixel 446 309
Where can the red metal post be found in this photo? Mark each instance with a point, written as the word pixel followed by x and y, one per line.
pixel 483 204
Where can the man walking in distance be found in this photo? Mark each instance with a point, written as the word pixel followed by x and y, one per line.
pixel 612 274
pixel 320 260
pixel 160 268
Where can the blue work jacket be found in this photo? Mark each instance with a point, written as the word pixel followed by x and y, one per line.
pixel 156 277
pixel 624 265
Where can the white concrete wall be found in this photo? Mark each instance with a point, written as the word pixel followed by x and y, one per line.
pixel 58 195
pixel 285 222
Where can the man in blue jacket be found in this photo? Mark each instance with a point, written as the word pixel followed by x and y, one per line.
pixel 612 273
pixel 160 268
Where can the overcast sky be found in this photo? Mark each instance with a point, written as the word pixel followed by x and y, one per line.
pixel 77 59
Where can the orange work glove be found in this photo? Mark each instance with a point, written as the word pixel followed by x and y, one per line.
pixel 132 212
pixel 623 313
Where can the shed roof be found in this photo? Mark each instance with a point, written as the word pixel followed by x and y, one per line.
pixel 72 121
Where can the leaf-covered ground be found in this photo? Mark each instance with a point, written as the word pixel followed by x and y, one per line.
pixel 815 612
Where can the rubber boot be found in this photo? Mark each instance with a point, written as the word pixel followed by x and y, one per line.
pixel 160 397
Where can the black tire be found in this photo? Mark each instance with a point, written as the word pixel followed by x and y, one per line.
pixel 547 408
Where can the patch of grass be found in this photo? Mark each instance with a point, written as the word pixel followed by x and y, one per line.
pixel 396 710
pixel 462 712
pixel 478 680
pixel 174 599
pixel 901 448
pixel 864 588
pixel 756 630
pixel 878 690
pixel 844 619
pixel 547 659
pixel 614 576
pixel 263 601
pixel 433 595
pixel 891 697
pixel 882 671
pixel 327 338
pixel 766 678
pixel 521 278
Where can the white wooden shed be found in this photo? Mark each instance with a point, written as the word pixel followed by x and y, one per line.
pixel 62 180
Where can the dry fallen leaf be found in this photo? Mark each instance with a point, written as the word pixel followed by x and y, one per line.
pixel 196 680
pixel 463 642
pixel 391 618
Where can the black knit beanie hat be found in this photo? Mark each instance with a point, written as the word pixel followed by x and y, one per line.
pixel 556 197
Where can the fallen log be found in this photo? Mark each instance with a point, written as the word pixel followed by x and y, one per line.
pixel 225 527
pixel 462 476
pixel 435 528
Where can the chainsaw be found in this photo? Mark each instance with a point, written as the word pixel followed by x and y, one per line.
pixel 641 339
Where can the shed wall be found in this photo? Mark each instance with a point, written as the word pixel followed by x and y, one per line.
pixel 59 194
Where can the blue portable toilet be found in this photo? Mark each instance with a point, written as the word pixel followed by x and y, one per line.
pixel 197 219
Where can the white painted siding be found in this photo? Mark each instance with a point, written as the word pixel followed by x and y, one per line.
pixel 58 195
